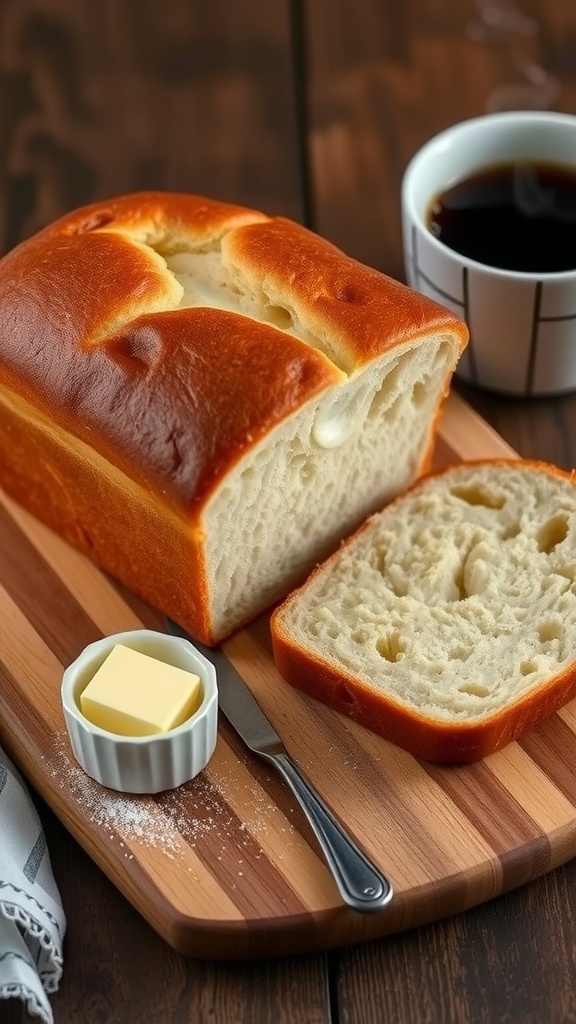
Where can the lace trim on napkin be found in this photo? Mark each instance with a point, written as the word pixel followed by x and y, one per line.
pixel 46 953
pixel 25 946
pixel 35 1005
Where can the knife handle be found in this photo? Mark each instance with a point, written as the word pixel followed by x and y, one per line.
pixel 359 882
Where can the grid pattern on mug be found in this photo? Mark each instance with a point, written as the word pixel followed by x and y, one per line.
pixel 553 331
pixel 547 362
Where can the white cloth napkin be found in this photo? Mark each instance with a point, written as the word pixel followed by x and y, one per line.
pixel 32 921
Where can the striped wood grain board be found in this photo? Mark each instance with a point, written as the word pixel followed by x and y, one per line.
pixel 225 866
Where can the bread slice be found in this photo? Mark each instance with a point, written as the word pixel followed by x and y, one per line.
pixel 447 622
pixel 206 399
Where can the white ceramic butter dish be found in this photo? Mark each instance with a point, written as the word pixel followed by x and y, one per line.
pixel 142 764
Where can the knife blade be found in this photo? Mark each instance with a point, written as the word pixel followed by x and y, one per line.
pixel 360 883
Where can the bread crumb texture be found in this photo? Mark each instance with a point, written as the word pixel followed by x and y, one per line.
pixel 457 599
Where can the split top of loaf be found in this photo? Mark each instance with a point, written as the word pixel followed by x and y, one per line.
pixel 448 622
pixel 241 385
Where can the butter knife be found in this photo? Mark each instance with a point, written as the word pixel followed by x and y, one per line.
pixel 360 883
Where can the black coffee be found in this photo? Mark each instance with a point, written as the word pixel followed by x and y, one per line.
pixel 517 216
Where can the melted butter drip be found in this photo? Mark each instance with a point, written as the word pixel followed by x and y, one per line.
pixel 344 416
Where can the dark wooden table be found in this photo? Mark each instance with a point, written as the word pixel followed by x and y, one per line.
pixel 310 108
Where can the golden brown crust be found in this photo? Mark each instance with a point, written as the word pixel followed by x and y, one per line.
pixel 89 333
pixel 337 296
pixel 93 343
pixel 132 398
pixel 118 367
pixel 155 217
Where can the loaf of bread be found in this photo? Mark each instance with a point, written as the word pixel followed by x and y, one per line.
pixel 447 622
pixel 205 399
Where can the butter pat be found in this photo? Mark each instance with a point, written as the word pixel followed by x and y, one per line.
pixel 135 695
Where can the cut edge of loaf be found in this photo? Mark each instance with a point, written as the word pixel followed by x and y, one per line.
pixel 484 618
pixel 333 489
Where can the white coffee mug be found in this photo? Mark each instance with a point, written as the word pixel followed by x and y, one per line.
pixel 522 325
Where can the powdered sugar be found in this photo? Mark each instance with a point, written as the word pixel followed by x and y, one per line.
pixel 120 816
pixel 176 819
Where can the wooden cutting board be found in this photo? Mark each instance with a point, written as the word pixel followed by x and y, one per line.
pixel 225 866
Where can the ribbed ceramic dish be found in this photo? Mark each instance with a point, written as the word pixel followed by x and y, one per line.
pixel 142 764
